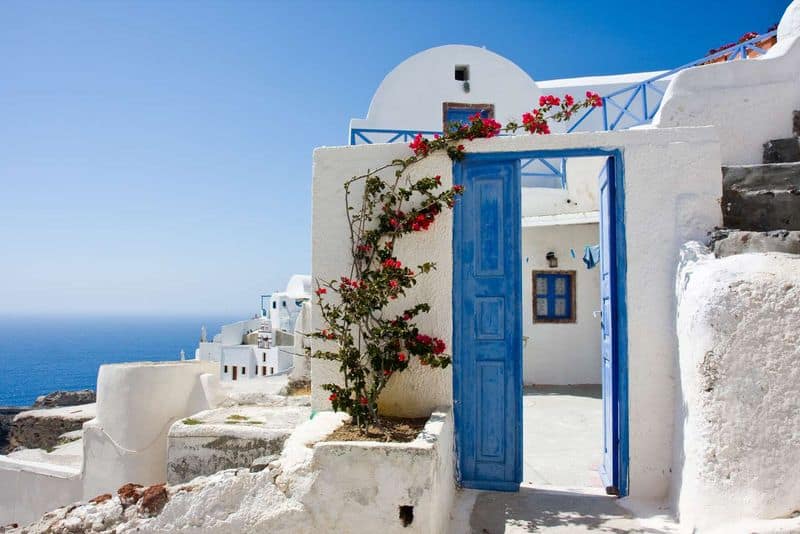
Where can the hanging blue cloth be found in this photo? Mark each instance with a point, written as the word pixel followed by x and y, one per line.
pixel 591 255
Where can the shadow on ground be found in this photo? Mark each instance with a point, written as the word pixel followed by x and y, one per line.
pixel 539 510
pixel 593 391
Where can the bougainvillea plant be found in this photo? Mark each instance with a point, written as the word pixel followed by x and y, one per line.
pixel 372 344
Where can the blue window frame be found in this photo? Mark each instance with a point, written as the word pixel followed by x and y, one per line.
pixel 554 296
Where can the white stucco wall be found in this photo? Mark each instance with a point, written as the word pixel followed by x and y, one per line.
pixel 750 102
pixel 240 356
pixel 410 97
pixel 580 195
pixel 30 489
pixel 233 334
pixel 739 421
pixel 136 404
pixel 381 477
pixel 673 183
pixel 561 353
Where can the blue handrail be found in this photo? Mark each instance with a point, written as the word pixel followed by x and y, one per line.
pixel 634 102
pixel 642 111
pixel 357 134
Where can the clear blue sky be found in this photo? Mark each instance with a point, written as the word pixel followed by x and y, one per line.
pixel 155 157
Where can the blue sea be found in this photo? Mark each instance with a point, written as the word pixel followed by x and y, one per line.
pixel 43 354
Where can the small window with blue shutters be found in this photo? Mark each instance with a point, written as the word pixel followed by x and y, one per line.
pixel 553 296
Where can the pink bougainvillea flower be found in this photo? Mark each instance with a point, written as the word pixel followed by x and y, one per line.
pixel 419 145
pixel 401 357
pixel 321 291
pixel 594 99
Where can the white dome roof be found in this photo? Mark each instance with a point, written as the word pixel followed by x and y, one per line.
pixel 410 97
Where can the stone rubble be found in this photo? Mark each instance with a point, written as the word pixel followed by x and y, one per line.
pixel 228 502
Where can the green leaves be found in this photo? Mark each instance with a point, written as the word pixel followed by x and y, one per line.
pixel 372 345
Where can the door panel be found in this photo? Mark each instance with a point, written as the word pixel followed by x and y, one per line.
pixel 487 320
pixel 609 466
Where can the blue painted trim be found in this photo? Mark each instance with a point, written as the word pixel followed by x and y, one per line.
pixel 620 288
pixel 361 136
pixel 620 326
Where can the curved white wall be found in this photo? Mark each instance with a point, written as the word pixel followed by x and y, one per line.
pixel 739 445
pixel 410 97
pixel 136 404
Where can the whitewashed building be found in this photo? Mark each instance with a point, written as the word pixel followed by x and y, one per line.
pixel 640 177
pixel 262 346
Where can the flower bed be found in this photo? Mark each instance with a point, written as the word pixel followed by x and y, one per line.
pixel 387 487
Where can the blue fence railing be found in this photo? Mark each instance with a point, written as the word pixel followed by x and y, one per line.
pixel 629 106
pixel 639 102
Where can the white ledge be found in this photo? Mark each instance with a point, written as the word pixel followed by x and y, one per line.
pixel 583 217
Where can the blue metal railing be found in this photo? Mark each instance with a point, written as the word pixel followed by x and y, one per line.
pixel 360 136
pixel 534 171
pixel 629 106
pixel 632 102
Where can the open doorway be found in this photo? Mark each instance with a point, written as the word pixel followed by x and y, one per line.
pixel 539 321
pixel 562 411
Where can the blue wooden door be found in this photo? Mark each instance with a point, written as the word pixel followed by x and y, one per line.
pixel 610 415
pixel 487 376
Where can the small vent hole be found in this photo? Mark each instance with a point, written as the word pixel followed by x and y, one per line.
pixel 406 515
pixel 462 73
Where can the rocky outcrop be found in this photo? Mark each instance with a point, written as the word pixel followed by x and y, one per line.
pixel 230 502
pixel 41 429
pixel 65 398
pixel 7 414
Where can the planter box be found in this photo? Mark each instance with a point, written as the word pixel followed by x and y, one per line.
pixel 368 486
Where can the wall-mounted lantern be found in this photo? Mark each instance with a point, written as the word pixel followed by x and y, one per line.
pixel 552 261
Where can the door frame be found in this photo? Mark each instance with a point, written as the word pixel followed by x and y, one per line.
pixel 619 292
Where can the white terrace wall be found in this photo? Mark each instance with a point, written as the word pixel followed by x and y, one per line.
pixel 136 405
pixel 672 187
pixel 750 102
pixel 30 489
pixel 580 196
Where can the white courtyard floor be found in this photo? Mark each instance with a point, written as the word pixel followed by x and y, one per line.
pixel 561 490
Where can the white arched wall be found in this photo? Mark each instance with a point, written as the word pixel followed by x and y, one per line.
pixel 410 97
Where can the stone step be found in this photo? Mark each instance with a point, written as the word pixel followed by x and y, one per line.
pixel 726 242
pixel 761 197
pixel 782 150
pixel 796 123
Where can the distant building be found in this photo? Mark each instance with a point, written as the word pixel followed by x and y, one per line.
pixel 262 346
